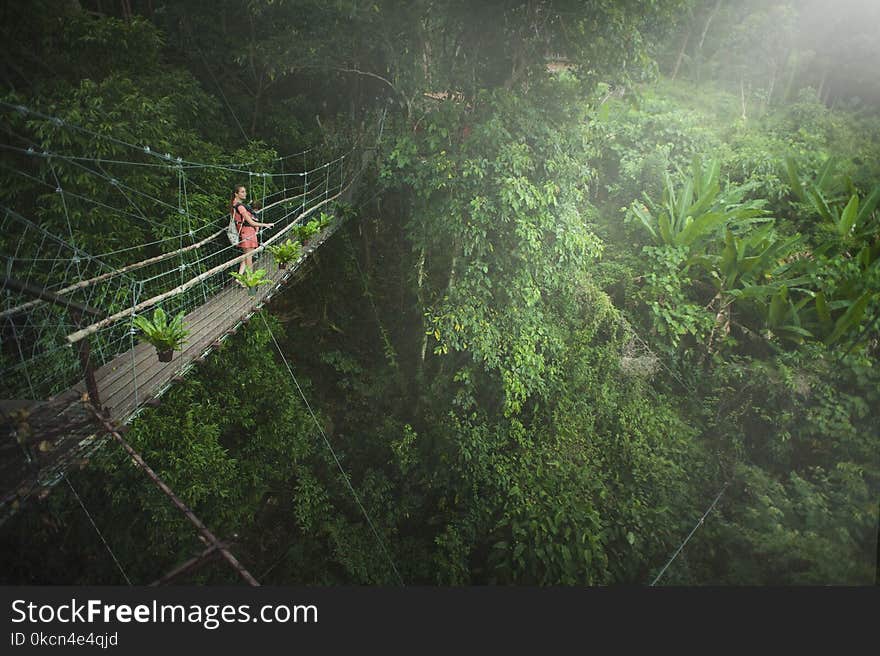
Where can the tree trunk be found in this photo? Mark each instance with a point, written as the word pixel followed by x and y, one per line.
pixel 708 22
pixel 420 279
pixel 256 113
pixel 368 260
pixel 822 81
pixel 791 62
pixel 426 59
pixel 698 55
pixel 772 85
pixel 687 36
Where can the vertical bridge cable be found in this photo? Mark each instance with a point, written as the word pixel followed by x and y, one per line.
pixel 333 453
pixel 231 111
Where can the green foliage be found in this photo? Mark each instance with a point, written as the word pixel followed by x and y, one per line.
pixel 778 281
pixel 690 215
pixel 849 223
pixel 163 334
pixel 286 252
pixel 804 493
pixel 251 278
pixel 749 258
pixel 638 138
pixel 470 373
pixel 665 290
pixel 308 230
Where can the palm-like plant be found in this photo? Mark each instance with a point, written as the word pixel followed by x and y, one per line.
pixel 252 279
pixel 286 252
pixel 324 220
pixel 751 257
pixel 854 224
pixel 307 231
pixel 853 221
pixel 166 336
pixel 690 213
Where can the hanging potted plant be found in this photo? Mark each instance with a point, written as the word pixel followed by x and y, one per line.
pixel 307 231
pixel 324 220
pixel 166 336
pixel 251 280
pixel 286 253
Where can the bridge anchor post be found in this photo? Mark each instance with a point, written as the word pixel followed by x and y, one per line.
pixel 84 350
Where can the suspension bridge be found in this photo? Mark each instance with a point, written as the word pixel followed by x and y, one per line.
pixel 73 367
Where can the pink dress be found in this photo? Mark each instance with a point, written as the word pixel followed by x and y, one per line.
pixel 247 232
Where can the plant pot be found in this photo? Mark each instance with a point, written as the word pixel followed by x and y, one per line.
pixel 252 291
pixel 166 355
pixel 282 265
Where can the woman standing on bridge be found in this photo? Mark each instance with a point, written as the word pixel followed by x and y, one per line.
pixel 247 226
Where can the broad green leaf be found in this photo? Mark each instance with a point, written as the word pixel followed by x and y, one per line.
pixel 702 226
pixel 848 216
pixel 822 207
pixel 794 180
pixel 822 310
pixel 778 306
pixel 869 206
pixel 684 203
pixel 826 172
pixel 665 228
pixel 850 319
pixel 645 218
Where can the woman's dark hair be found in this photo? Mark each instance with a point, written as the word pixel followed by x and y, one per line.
pixel 232 200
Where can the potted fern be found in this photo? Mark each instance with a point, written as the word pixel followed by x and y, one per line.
pixel 324 220
pixel 166 336
pixel 285 253
pixel 307 231
pixel 251 279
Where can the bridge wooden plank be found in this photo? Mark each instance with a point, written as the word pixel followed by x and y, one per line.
pixel 121 383
pixel 117 373
pixel 155 374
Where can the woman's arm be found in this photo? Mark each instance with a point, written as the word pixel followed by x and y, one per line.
pixel 246 216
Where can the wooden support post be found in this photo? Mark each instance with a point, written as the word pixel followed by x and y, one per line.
pixel 84 350
pixel 189 566
pixel 206 534
pixel 85 359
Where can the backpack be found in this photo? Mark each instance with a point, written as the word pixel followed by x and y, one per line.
pixel 232 230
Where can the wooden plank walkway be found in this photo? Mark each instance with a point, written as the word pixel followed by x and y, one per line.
pixel 64 426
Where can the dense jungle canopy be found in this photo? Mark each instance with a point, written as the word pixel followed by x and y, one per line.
pixel 610 263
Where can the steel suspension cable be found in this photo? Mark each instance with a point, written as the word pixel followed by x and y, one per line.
pixel 333 453
pixel 694 530
pixel 97 530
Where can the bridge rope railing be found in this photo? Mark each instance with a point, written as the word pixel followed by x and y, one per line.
pixel 138 265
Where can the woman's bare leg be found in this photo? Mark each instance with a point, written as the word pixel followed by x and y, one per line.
pixel 246 263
